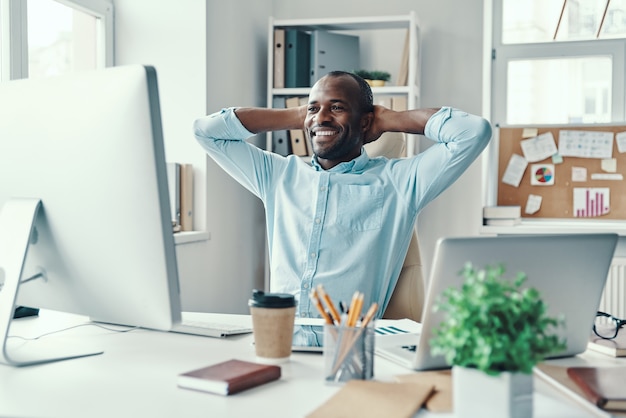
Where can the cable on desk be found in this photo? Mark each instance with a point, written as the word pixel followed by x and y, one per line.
pixel 72 327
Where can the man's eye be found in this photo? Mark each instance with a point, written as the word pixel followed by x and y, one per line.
pixel 337 108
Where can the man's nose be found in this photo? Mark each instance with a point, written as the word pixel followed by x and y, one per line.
pixel 322 115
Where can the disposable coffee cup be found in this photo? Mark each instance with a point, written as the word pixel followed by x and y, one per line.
pixel 273 316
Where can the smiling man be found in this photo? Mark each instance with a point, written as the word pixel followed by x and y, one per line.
pixel 345 220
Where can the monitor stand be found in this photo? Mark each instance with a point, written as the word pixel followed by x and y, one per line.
pixel 17 220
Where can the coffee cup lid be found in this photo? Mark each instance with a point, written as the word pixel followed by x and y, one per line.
pixel 261 299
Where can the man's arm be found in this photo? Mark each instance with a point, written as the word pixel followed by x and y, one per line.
pixel 257 120
pixel 409 121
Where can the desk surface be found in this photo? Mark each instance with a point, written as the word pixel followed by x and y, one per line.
pixel 136 376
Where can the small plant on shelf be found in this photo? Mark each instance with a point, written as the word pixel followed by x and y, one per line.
pixel 380 75
pixel 494 325
pixel 364 74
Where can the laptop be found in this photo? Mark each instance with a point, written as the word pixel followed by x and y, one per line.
pixel 568 270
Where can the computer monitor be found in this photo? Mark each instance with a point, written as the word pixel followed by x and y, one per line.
pixel 85 220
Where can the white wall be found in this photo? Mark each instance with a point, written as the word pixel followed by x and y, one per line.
pixel 211 54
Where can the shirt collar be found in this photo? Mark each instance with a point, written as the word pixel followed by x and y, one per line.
pixel 357 164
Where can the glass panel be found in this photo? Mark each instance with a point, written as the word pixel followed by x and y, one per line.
pixel 60 39
pixel 530 21
pixel 559 91
pixel 614 25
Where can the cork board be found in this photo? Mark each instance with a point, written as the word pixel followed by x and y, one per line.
pixel 557 194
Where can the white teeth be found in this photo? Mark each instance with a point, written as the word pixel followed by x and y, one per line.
pixel 324 133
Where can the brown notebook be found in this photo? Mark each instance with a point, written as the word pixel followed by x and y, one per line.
pixel 229 377
pixel 604 386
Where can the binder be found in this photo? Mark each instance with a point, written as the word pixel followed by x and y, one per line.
pixel 309 148
pixel 280 139
pixel 333 51
pixel 297 58
pixel 173 182
pixel 186 197
pixel 296 136
pixel 279 58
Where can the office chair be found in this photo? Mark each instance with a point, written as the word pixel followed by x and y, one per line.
pixel 408 296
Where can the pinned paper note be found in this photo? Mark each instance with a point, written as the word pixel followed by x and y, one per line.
pixel 539 148
pixel 586 144
pixel 533 204
pixel 579 174
pixel 557 159
pixel 590 202
pixel 609 165
pixel 620 139
pixel 529 132
pixel 515 170
pixel 542 174
pixel 607 176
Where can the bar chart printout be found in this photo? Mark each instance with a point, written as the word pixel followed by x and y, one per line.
pixel 591 202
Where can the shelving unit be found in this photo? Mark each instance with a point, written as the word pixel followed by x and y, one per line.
pixel 376 24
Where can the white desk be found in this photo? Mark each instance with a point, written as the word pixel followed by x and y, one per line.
pixel 136 377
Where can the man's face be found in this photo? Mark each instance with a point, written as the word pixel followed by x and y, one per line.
pixel 334 122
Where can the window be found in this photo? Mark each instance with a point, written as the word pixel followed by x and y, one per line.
pixel 558 61
pixel 51 37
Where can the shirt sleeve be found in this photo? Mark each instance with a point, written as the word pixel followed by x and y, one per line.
pixel 223 137
pixel 459 139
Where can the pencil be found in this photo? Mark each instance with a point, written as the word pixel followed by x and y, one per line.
pixel 351 307
pixel 320 308
pixel 369 315
pixel 329 304
pixel 357 310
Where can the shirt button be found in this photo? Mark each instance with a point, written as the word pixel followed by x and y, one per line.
pixel 322 188
pixel 306 285
pixel 317 220
pixel 312 255
pixel 304 314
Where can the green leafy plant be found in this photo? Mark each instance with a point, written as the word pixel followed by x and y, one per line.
pixel 365 74
pixel 494 325
pixel 380 75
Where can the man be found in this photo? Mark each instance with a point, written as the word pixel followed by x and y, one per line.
pixel 346 220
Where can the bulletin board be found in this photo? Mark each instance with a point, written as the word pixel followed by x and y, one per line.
pixel 556 177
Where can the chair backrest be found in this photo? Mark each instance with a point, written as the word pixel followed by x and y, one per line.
pixel 408 296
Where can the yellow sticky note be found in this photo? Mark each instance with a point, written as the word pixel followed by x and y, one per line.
pixel 529 132
pixel 609 165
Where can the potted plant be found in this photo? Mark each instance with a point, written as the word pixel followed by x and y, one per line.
pixel 379 78
pixel 493 334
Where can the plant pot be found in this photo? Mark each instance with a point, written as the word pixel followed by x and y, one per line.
pixel 377 83
pixel 477 394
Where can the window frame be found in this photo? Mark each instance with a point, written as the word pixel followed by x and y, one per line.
pixel 14 34
pixel 502 54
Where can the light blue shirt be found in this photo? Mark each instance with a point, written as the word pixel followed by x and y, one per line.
pixel 347 228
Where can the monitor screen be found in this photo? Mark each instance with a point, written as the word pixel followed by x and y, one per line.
pixel 83 187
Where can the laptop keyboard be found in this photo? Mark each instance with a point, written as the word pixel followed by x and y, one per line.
pixel 210 329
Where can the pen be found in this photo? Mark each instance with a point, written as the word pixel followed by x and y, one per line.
pixel 329 304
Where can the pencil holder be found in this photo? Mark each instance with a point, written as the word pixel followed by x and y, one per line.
pixel 348 353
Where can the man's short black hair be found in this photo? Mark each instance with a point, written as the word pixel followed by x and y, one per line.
pixel 366 98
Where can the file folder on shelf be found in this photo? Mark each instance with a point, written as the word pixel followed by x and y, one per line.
pixel 280 139
pixel 279 58
pixel 333 51
pixel 297 58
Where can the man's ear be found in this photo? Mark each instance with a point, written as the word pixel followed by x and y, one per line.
pixel 366 121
